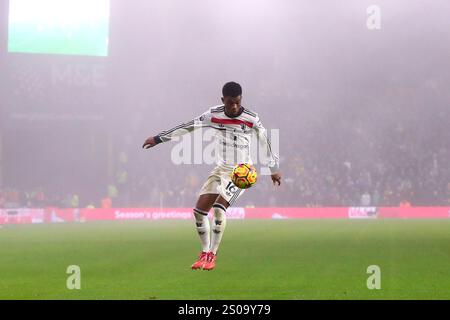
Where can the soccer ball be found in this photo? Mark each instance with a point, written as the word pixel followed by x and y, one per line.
pixel 244 175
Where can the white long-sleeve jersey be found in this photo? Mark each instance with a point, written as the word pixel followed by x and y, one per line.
pixel 233 136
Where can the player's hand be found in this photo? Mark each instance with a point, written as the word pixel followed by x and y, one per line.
pixel 276 178
pixel 150 142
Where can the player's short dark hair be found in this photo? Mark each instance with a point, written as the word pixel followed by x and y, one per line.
pixel 231 89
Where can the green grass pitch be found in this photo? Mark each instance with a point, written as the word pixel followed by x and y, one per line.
pixel 272 259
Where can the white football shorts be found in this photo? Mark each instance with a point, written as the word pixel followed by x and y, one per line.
pixel 219 182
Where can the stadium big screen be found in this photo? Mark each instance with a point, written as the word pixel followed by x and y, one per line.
pixel 59 27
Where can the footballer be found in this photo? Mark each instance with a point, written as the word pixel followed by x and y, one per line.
pixel 234 126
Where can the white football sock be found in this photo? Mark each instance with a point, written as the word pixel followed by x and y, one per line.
pixel 203 229
pixel 219 224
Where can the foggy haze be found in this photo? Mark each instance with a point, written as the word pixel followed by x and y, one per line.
pixel 358 110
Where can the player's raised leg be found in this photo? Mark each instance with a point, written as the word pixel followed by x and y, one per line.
pixel 204 204
pixel 219 223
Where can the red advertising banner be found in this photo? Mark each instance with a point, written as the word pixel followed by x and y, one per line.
pixel 149 213
pixel 57 215
pixel 296 213
pixel 21 215
pixel 414 212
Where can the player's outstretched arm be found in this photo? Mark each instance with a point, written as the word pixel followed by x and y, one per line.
pixel 150 142
pixel 182 129
pixel 272 159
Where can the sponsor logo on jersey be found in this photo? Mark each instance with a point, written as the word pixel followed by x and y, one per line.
pixel 235 145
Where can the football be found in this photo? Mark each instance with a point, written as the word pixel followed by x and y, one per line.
pixel 244 175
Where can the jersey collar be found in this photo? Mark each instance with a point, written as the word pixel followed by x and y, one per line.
pixel 237 115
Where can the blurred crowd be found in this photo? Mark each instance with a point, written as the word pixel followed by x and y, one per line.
pixel 331 155
pixel 388 149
